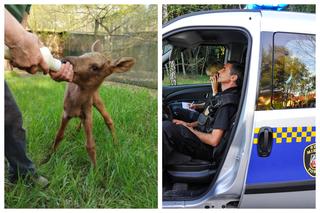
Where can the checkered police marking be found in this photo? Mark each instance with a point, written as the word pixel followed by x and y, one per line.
pixel 300 134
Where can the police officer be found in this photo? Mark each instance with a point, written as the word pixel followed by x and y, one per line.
pixel 198 139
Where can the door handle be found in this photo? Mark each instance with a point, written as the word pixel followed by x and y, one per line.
pixel 265 139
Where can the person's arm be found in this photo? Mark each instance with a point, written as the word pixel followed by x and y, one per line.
pixel 221 123
pixel 24 46
pixel 212 139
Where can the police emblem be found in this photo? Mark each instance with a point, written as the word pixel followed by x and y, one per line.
pixel 309 159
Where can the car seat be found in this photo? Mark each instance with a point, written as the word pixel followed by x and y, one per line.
pixel 190 170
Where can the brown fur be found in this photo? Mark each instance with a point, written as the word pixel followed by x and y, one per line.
pixel 213 69
pixel 90 70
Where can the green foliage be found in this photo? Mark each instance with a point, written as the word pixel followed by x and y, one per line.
pixel 109 19
pixel 126 175
pixel 172 11
pixel 307 8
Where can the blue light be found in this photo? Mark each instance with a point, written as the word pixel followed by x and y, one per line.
pixel 277 7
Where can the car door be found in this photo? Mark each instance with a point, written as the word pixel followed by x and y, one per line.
pixel 186 93
pixel 281 171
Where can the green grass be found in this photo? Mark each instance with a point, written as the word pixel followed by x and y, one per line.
pixel 187 79
pixel 126 175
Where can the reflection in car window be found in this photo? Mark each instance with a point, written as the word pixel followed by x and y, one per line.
pixel 292 81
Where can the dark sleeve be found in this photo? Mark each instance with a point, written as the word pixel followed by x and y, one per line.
pixel 223 117
pixel 18 10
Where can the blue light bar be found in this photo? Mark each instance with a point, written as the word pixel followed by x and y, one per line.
pixel 277 7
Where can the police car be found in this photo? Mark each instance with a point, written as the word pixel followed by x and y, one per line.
pixel 269 156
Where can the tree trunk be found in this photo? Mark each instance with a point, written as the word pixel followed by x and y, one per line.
pixel 182 62
pixel 96 28
pixel 164 13
pixel 172 73
pixel 205 59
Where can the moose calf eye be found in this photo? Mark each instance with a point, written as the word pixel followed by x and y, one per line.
pixel 94 67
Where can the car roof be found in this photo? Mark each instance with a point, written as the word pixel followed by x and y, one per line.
pixel 271 20
pixel 288 21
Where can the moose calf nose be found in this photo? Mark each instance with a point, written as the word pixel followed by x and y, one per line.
pixel 64 61
pixel 68 58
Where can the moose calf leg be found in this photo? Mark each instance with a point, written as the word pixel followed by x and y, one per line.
pixel 78 127
pixel 58 139
pixel 64 121
pixel 90 146
pixel 98 104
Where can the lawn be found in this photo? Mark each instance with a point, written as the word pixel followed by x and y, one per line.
pixel 126 175
pixel 187 79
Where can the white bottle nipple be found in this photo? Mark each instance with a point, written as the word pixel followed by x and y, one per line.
pixel 54 64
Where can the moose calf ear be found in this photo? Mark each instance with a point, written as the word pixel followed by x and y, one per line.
pixel 123 64
pixel 97 46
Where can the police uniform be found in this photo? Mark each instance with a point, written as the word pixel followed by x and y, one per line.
pixel 218 114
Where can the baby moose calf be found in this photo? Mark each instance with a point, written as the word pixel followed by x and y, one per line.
pixel 90 70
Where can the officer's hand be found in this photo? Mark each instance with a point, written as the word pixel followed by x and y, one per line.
pixel 214 79
pixel 193 106
pixel 179 122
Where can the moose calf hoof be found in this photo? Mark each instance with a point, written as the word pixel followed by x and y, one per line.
pixel 115 140
pixel 92 154
pixel 46 159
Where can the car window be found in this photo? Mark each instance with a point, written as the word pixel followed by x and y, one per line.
pixel 188 65
pixel 288 72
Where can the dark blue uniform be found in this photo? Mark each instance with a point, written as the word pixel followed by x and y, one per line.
pixel 181 139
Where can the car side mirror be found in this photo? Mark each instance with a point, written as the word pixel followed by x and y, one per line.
pixel 167 52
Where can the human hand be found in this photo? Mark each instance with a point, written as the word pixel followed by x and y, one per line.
pixel 214 78
pixel 25 54
pixel 64 74
pixel 192 105
pixel 179 122
pixel 214 82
